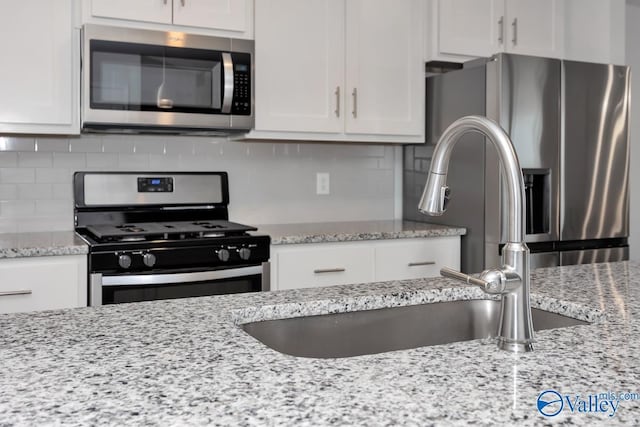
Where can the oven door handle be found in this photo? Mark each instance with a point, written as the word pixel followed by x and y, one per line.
pixel 166 279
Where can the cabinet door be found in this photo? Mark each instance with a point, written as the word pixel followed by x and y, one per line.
pixel 415 258
pixel 138 10
pixel 217 14
pixel 593 31
pixel 303 266
pixel 43 283
pixel 385 67
pixel 470 27
pixel 535 27
pixel 39 75
pixel 300 58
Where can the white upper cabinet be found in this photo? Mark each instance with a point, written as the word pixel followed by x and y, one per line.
pixel 40 68
pixel 159 11
pixel 595 31
pixel 485 27
pixel 384 68
pixel 233 16
pixel 300 63
pixel 534 27
pixel 470 27
pixel 340 70
pixel 220 14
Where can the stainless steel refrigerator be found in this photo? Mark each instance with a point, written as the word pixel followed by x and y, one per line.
pixel 569 124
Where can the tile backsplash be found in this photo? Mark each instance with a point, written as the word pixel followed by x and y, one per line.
pixel 268 182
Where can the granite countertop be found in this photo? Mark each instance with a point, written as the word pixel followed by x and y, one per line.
pixel 282 234
pixel 178 362
pixel 18 245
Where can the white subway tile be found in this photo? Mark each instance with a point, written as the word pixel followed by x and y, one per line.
pixel 17 144
pixel 54 175
pixel 86 144
pixel 62 191
pixel 52 145
pixel 208 147
pixel 8 225
pixel 35 191
pixel 161 162
pixel 54 207
pixel 8 191
pixel 45 223
pixel 35 160
pixel 73 161
pixel 17 175
pixel 175 146
pixel 117 144
pixel 17 208
pixel 133 161
pixel 8 159
pixel 149 145
pixel 102 160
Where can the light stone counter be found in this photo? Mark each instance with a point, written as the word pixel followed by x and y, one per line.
pixel 283 234
pixel 186 362
pixel 18 245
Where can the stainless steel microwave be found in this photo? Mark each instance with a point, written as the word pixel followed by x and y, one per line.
pixel 167 82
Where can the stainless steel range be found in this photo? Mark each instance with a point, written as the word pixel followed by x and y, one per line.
pixel 165 235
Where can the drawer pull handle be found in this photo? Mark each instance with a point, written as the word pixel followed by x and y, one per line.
pixel 328 270
pixel 418 264
pixel 9 293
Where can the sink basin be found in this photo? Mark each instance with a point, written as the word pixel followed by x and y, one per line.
pixel 388 329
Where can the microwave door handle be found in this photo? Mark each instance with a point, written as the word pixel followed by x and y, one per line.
pixel 227 63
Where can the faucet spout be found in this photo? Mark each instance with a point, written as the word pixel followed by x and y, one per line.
pixel 434 201
pixel 515 332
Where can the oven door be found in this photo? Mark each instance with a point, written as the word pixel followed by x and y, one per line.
pixel 115 289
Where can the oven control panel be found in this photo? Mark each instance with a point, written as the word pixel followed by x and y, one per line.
pixel 155 185
pixel 234 252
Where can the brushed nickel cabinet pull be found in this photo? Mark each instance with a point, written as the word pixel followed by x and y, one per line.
pixel 9 293
pixel 421 263
pixel 354 94
pixel 337 93
pixel 501 30
pixel 514 24
pixel 328 270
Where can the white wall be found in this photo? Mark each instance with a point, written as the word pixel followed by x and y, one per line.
pixel 633 60
pixel 269 182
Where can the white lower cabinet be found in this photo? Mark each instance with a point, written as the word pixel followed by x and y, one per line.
pixel 415 258
pixel 324 264
pixel 43 283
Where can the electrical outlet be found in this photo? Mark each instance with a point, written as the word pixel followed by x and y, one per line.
pixel 323 186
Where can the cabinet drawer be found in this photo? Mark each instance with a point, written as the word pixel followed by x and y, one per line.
pixel 415 258
pixel 302 267
pixel 42 283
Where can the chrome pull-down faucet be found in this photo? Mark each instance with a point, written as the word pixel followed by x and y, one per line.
pixel 515 330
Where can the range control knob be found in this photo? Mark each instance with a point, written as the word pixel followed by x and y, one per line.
pixel 124 261
pixel 244 253
pixel 223 255
pixel 149 259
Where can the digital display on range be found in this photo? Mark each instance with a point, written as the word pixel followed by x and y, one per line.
pixel 155 185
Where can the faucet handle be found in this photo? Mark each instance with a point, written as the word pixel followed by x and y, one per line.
pixel 495 284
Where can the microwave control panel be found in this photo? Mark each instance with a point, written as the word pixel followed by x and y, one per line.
pixel 241 104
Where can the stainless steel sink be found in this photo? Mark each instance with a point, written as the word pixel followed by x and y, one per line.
pixel 388 329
